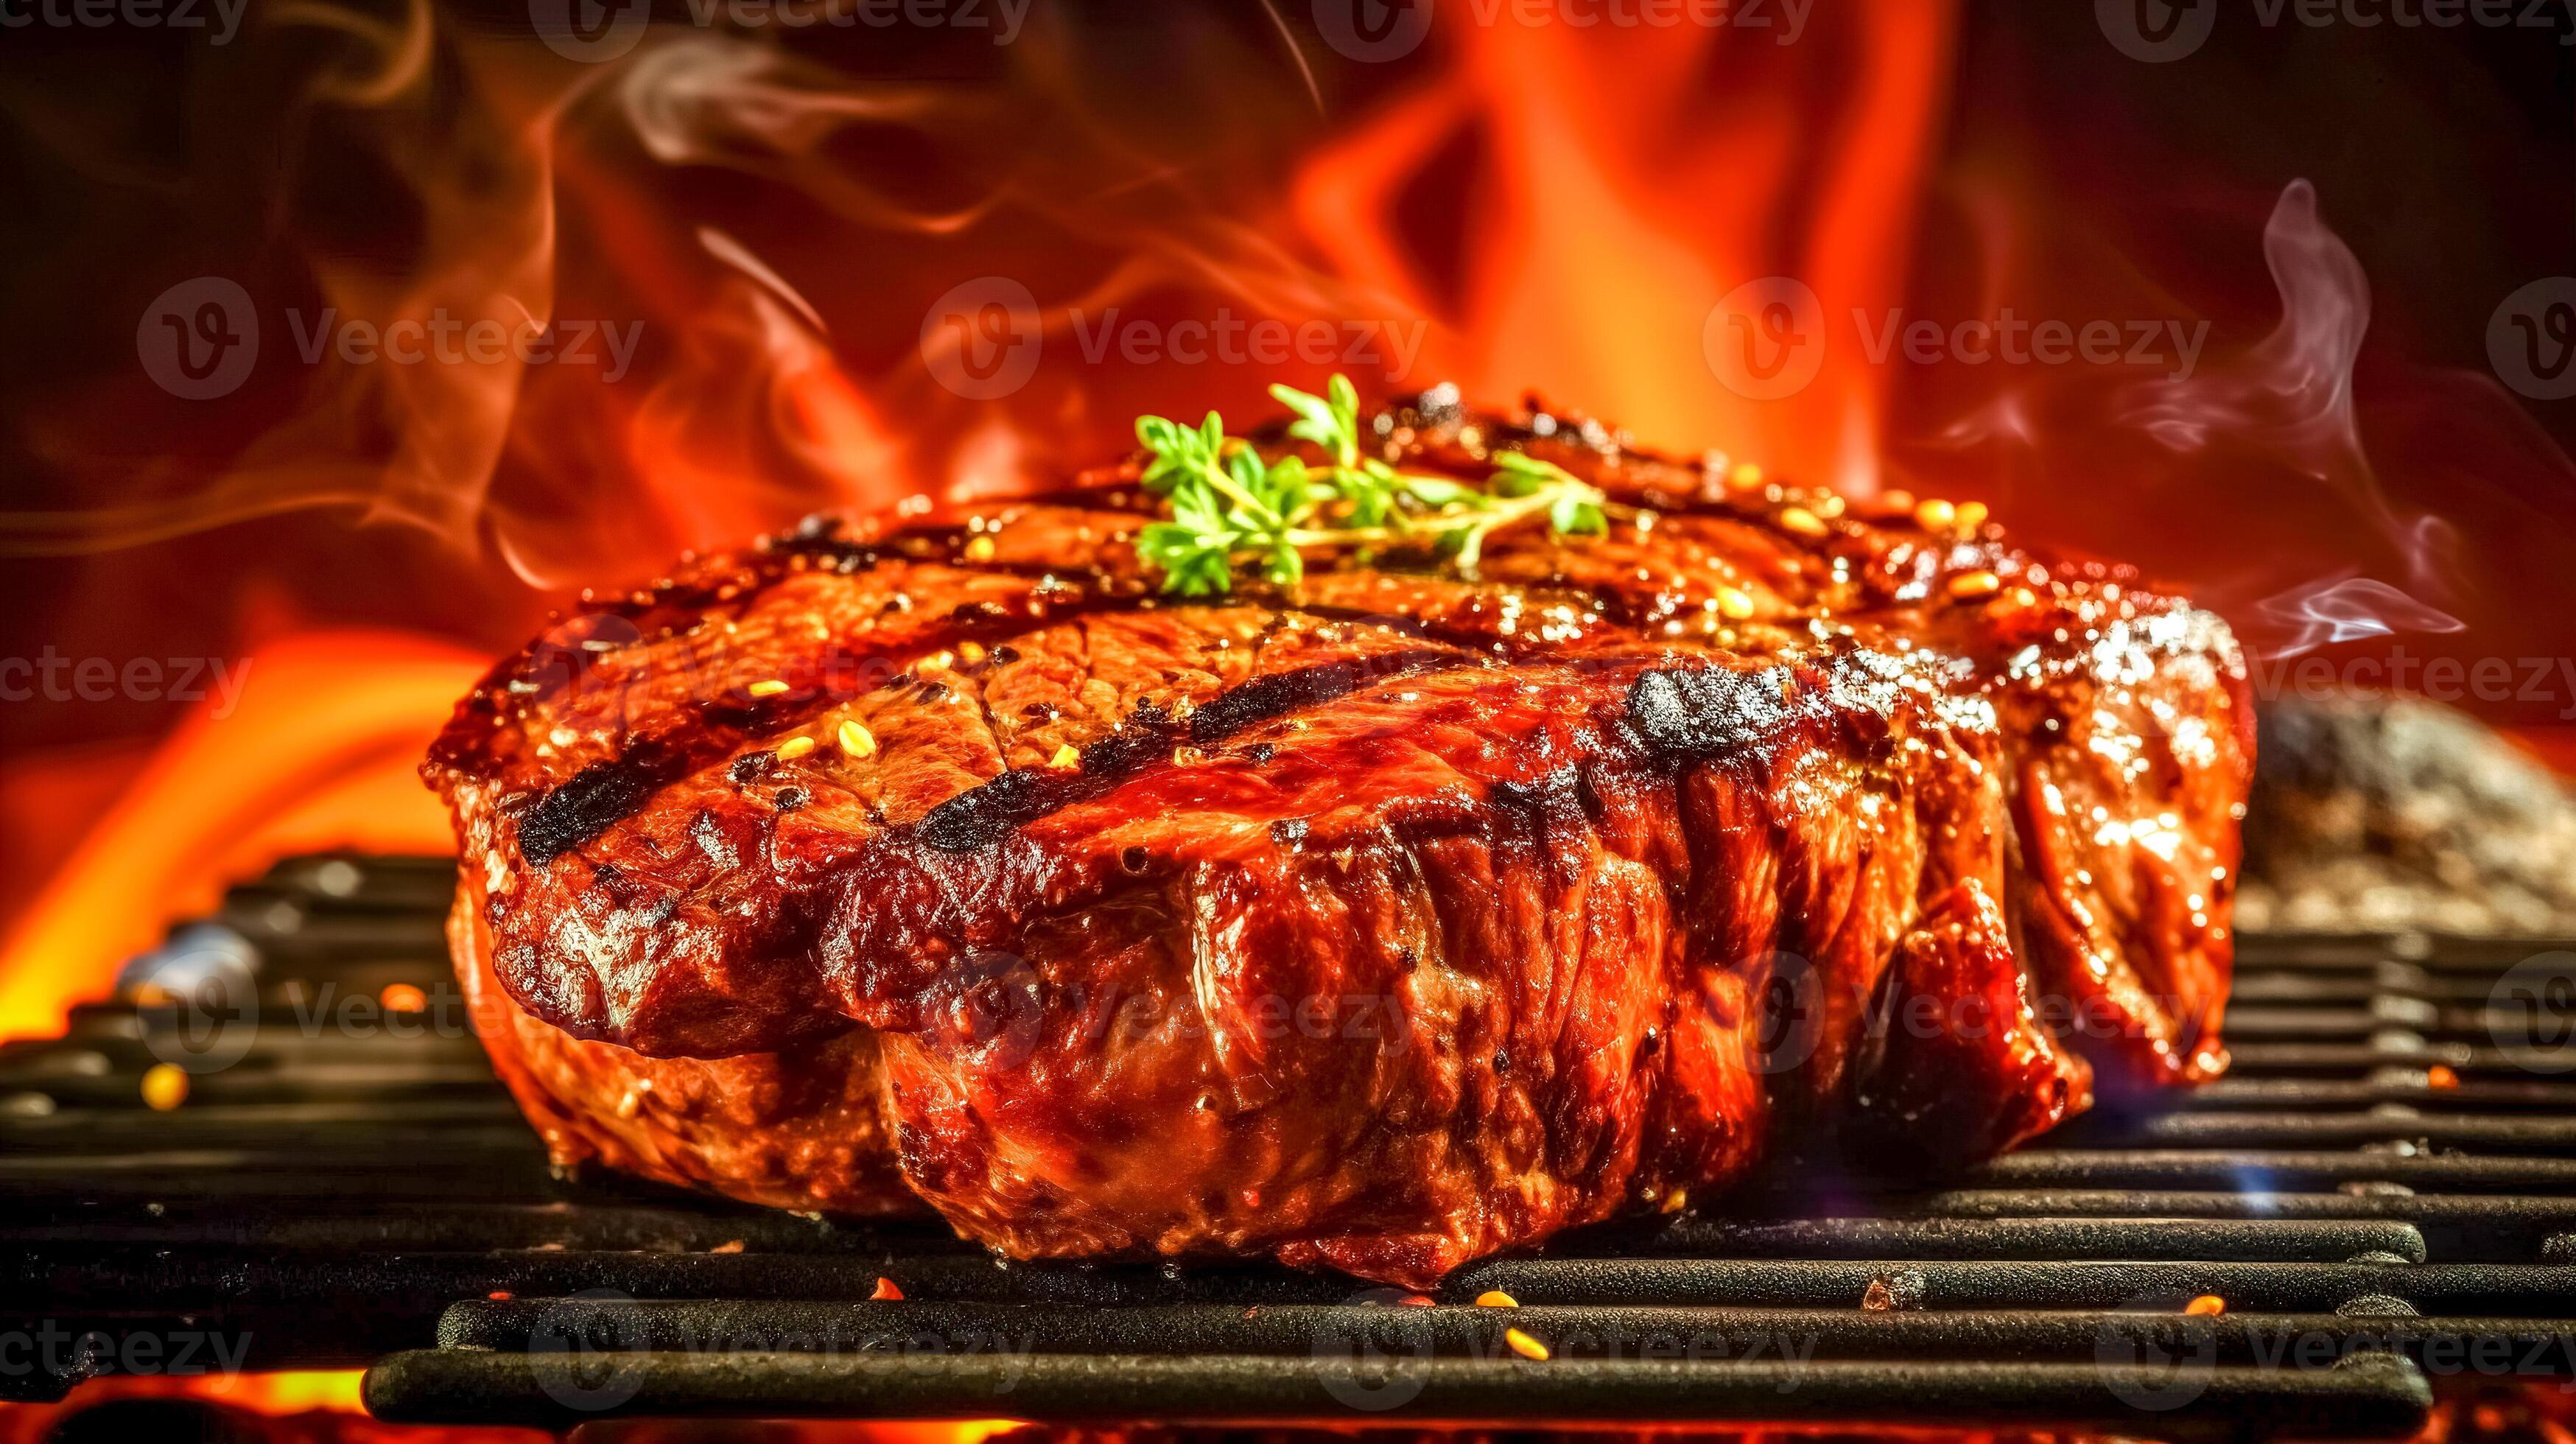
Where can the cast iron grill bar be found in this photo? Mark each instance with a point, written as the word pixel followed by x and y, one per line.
pixel 2375 1396
pixel 809 1326
pixel 367 1194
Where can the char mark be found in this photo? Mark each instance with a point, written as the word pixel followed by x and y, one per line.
pixel 984 815
pixel 595 798
pixel 1264 698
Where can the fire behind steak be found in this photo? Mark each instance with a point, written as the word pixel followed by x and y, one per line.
pixel 1382 925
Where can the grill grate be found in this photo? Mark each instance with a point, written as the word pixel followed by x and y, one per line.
pixel 2384 1196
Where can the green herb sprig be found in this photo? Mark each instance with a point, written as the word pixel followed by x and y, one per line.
pixel 1230 505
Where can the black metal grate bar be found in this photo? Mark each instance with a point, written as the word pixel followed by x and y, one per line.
pixel 365 1194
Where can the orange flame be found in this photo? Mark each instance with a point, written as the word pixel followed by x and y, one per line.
pixel 320 751
pixel 1620 184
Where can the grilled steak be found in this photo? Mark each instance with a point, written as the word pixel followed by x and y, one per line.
pixel 1380 925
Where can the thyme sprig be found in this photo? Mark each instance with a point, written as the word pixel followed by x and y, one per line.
pixel 1231 505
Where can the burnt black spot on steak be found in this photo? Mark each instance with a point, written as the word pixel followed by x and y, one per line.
pixel 1144 737
pixel 596 798
pixel 1703 711
pixel 983 816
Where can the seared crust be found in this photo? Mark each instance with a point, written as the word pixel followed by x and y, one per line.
pixel 1382 925
pixel 801 1130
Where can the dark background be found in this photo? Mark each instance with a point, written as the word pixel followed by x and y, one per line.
pixel 2445 159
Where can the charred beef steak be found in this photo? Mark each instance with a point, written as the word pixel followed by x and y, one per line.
pixel 1377 923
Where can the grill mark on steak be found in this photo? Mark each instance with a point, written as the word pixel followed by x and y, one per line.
pixel 596 798
pixel 983 816
pixel 604 793
pixel 1278 694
